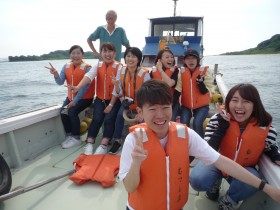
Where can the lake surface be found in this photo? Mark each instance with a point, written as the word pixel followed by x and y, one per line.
pixel 27 86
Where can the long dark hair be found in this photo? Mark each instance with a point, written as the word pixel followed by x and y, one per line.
pixel 249 92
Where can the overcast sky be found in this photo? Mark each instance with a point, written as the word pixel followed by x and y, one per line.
pixel 36 27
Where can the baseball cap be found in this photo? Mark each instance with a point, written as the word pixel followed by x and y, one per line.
pixel 192 52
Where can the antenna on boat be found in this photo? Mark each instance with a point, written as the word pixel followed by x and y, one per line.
pixel 175 4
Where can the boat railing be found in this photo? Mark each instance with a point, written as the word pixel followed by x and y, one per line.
pixel 26 119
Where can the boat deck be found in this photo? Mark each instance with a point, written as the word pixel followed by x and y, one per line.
pixel 65 194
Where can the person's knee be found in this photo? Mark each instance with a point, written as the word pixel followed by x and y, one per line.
pixel 196 181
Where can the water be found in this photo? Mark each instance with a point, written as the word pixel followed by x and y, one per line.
pixel 27 86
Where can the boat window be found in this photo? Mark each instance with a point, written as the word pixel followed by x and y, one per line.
pixel 162 30
pixel 174 30
pixel 184 29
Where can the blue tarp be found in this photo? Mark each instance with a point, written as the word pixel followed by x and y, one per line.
pixel 151 46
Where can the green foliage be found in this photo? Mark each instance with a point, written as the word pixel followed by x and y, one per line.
pixel 55 55
pixel 270 46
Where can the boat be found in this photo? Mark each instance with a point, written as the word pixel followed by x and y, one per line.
pixel 35 169
pixel 178 33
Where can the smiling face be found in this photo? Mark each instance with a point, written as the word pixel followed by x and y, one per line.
pixel 107 55
pixel 191 62
pixel 157 117
pixel 240 109
pixel 167 60
pixel 131 61
pixel 76 56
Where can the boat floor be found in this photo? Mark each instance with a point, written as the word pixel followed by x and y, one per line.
pixel 65 194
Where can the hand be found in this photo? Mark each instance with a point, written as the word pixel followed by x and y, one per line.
pixel 72 88
pixel 97 55
pixel 199 79
pixel 52 70
pixel 107 109
pixel 272 192
pixel 226 116
pixel 139 154
pixel 71 104
pixel 138 118
pixel 115 81
pixel 159 66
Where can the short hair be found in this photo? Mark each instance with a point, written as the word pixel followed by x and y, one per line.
pixel 108 46
pixel 249 92
pixel 153 92
pixel 76 47
pixel 112 12
pixel 160 53
pixel 135 51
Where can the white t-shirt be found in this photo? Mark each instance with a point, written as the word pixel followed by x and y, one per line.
pixel 93 73
pixel 197 147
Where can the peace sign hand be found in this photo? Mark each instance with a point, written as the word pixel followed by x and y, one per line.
pixel 52 70
pixel 139 154
pixel 115 81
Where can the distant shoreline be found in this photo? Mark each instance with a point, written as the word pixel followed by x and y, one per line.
pixel 270 46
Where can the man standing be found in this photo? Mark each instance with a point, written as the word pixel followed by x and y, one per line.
pixel 109 33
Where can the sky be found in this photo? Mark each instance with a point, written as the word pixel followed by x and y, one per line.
pixel 36 27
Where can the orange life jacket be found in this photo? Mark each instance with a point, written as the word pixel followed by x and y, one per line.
pixel 156 74
pixel 245 148
pixel 104 85
pixel 128 83
pixel 74 76
pixel 99 168
pixel 164 181
pixel 191 96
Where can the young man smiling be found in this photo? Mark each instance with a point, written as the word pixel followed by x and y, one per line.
pixel 154 162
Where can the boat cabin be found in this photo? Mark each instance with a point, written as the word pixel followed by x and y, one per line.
pixel 178 33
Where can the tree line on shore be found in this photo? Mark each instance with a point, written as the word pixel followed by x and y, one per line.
pixel 270 46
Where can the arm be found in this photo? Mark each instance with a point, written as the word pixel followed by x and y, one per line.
pixel 87 79
pixel 59 78
pixel 146 77
pixel 164 76
pixel 201 86
pixel 82 91
pixel 117 83
pixel 271 146
pixel 90 44
pixel 235 170
pixel 179 84
pixel 219 132
pixel 176 97
pixel 139 154
pixel 111 104
pixel 175 76
pixel 125 41
pixel 132 179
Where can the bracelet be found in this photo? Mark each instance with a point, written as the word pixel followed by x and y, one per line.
pixel 111 105
pixel 262 184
